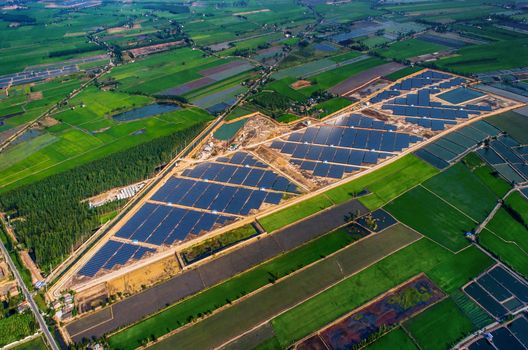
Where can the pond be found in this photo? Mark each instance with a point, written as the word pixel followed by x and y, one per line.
pixel 145 111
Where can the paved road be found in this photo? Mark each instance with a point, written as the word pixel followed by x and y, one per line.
pixel 29 298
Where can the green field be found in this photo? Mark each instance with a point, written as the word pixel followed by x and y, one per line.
pixel 506 235
pixel 440 326
pixel 489 57
pixel 410 48
pixel 35 344
pixel 395 339
pixel 285 294
pixel 209 300
pixel 432 217
pixel 461 188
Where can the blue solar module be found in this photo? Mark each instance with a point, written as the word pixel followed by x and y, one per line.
pixel 336 171
pixel 253 178
pixel 374 140
pixel 300 151
pixel 341 156
pixel 321 169
pixel 307 165
pixel 253 202
pixel 308 135
pixel 387 142
pixel 370 158
pixel 289 148
pixel 356 157
pixel 273 198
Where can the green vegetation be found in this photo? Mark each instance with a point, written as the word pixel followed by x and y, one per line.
pixel 453 273
pixel 486 174
pixel 513 123
pixel 440 326
pixel 34 344
pixel 489 57
pixel 463 189
pixel 431 216
pixel 396 338
pixel 331 106
pixel 339 299
pixel 409 48
pixel 506 235
pixel 386 183
pixel 227 131
pixel 17 260
pixel 228 291
pixel 16 327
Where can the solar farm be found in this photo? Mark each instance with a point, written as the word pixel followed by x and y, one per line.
pixel 208 193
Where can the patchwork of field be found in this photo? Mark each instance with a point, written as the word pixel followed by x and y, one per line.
pixel 86 131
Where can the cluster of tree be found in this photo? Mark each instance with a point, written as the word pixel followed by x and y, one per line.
pixel 75 51
pixel 13 17
pixel 50 217
pixel 16 327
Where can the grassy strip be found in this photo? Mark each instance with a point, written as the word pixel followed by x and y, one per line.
pixel 295 213
pixel 395 339
pixel 440 326
pixel 507 252
pixel 213 298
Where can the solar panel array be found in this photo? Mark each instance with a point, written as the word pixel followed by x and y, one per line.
pixel 202 198
pixel 429 78
pixel 508 157
pixel 440 153
pixel 420 110
pixel 113 254
pixel 343 145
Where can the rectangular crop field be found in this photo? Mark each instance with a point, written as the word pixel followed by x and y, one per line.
pixel 431 216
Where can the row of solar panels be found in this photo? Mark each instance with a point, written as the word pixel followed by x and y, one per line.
pixel 451 146
pixel 333 171
pixel 160 224
pixel 327 154
pixel 386 141
pixel 112 254
pixel 360 121
pixel 245 176
pixel 215 197
pixel 242 158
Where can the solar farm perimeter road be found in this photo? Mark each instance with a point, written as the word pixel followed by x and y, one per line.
pixel 29 298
